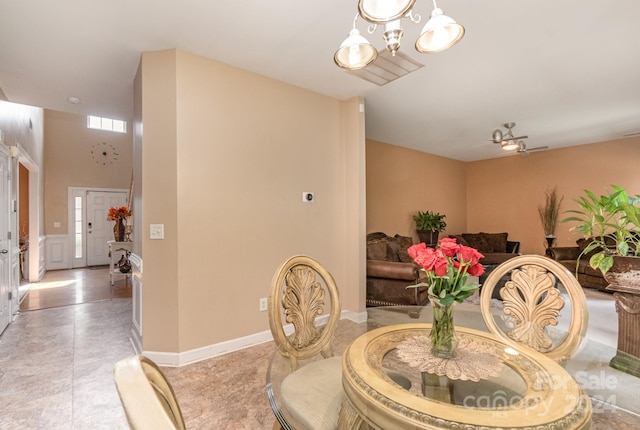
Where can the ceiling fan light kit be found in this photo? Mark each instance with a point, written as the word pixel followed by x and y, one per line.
pixel 439 33
pixel 509 143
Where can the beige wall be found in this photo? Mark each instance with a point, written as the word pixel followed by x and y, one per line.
pixel 226 155
pixel 401 182
pixel 503 194
pixel 67 157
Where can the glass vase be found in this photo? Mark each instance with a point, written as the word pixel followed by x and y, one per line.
pixel 443 333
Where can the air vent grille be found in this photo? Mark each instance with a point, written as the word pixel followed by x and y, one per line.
pixel 387 68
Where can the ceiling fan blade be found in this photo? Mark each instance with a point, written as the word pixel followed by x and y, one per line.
pixel 538 148
pixel 519 138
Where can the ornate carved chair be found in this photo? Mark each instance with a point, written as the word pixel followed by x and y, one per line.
pixel 312 393
pixel 532 301
pixel 147 397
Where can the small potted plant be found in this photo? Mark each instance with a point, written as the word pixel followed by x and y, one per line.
pixel 429 225
pixel 549 214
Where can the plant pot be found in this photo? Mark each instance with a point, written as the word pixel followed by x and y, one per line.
pixel 430 237
pixel 624 279
pixel 550 240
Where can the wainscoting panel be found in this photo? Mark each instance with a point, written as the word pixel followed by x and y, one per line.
pixel 136 301
pixel 57 252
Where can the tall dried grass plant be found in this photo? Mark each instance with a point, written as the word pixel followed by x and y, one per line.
pixel 550 211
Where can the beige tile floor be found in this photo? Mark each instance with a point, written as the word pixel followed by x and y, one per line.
pixel 56 372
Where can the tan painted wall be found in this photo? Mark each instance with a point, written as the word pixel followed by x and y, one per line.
pixel 160 298
pixel 226 155
pixel 503 194
pixel 401 182
pixel 68 162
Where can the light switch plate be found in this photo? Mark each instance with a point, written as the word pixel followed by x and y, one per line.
pixel 156 231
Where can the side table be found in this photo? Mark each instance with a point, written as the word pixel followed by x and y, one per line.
pixel 117 248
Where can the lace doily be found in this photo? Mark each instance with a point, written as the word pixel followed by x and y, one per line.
pixel 473 361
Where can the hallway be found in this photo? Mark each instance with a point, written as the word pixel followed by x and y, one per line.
pixel 56 364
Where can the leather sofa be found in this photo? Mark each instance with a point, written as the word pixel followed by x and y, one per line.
pixel 568 257
pixel 390 270
pixel 496 248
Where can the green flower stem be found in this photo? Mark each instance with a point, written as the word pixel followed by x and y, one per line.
pixel 443 341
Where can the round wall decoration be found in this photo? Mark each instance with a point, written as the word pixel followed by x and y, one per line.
pixel 104 153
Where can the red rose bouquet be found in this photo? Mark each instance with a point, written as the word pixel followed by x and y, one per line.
pixel 447 267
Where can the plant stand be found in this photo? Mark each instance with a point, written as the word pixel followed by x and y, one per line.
pixel 626 285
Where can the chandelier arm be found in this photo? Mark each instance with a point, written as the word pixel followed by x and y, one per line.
pixel 414 17
pixel 372 28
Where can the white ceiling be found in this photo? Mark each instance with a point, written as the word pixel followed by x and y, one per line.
pixel 567 72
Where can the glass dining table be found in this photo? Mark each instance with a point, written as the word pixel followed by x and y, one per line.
pixel 581 392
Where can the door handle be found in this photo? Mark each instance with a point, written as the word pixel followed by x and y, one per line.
pixel 4 251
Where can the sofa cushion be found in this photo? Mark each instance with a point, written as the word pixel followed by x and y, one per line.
pixel 377 250
pixel 404 243
pixel 459 239
pixel 493 258
pixel 477 241
pixel 497 241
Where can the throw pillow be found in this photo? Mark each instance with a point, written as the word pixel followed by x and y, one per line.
pixel 497 241
pixel 477 241
pixel 377 250
pixel 459 239
pixel 404 242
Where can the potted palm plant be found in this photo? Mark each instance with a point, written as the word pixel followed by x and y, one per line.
pixel 612 222
pixel 549 214
pixel 429 225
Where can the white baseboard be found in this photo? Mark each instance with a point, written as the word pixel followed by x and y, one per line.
pixel 174 359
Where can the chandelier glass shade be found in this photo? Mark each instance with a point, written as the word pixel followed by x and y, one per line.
pixel 356 52
pixel 439 33
pixel 382 11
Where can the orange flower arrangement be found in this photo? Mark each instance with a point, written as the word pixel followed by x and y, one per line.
pixel 116 213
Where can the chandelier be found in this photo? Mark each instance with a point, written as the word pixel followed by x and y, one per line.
pixel 439 33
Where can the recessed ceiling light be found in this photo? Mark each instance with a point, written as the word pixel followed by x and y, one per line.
pixel 74 100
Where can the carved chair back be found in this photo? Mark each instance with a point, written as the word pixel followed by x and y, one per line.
pixel 298 297
pixel 532 302
pixel 146 395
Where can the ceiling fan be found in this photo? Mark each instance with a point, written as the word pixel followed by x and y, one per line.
pixel 507 140
pixel 522 148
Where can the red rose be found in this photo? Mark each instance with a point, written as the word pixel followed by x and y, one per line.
pixel 423 256
pixel 468 255
pixel 476 270
pixel 414 250
pixel 448 246
pixel 440 266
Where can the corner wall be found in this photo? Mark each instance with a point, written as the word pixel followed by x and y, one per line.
pixel 401 182
pixel 226 155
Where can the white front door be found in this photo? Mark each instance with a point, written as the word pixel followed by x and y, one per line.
pixel 5 243
pixel 99 229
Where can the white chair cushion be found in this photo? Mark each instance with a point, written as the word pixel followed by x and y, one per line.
pixel 313 394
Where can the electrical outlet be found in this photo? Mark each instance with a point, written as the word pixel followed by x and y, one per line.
pixel 263 304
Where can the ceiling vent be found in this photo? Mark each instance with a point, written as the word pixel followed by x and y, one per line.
pixel 387 68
